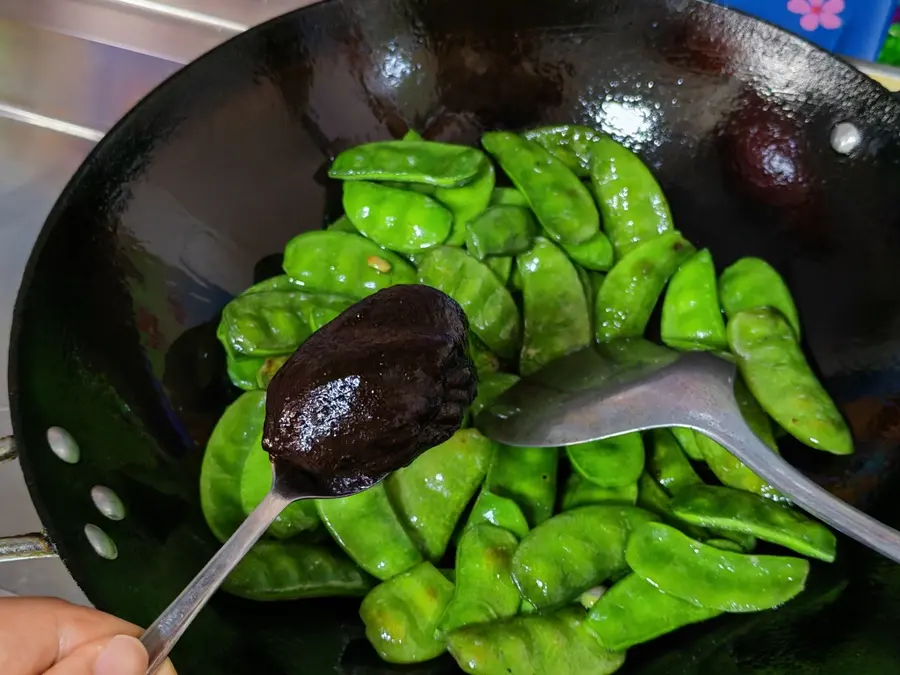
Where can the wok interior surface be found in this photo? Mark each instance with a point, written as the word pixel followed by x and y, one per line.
pixel 185 202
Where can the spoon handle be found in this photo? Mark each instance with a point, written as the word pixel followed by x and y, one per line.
pixel 738 438
pixel 162 635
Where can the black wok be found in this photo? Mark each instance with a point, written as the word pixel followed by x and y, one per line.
pixel 186 200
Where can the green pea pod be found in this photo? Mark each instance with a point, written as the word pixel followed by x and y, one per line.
pixel 631 202
pixel 515 279
pixel 291 570
pixel 691 316
pixel 562 204
pixel 631 289
pixel 501 266
pixel 501 231
pixel 399 220
pixel 485 362
pixel 731 471
pixel 751 283
pixel 266 323
pixel 440 164
pixel 484 587
pixel 557 318
pixel 574 551
pixel 504 196
pixel 367 528
pixel 668 464
pixel 490 386
pixel 777 374
pixel 737 511
pixel 612 462
pixel 499 511
pixel 343 224
pixel 712 578
pixel 235 436
pixel 492 313
pixel 688 443
pixel 535 644
pixel 595 254
pixel 726 545
pixel 256 481
pixel 431 494
pixel 582 492
pixel 634 611
pixel 267 370
pixel 412 135
pixel 243 371
pixel 466 202
pixel 326 308
pixel 282 282
pixel 571 144
pixel 401 615
pixel 344 264
pixel 754 415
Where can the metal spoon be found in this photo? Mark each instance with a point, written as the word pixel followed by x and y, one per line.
pixel 585 397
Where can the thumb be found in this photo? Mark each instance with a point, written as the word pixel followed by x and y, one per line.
pixel 123 655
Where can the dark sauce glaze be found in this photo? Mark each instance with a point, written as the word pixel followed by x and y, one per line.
pixel 371 390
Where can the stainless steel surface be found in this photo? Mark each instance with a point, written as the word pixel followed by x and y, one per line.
pixel 161 636
pixel 26 547
pixel 587 398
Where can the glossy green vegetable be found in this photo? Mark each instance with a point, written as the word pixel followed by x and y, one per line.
pixel 236 435
pixel 668 464
pixel 726 545
pixel 343 224
pixel 557 318
pixel 266 323
pixel 501 266
pixel 634 611
pixel 574 551
pixel 290 570
pixel 712 578
pixel 691 316
pixel 777 374
pixel 412 135
pixel 367 528
pixel 466 202
pixel 401 615
pixel 731 471
pixel 582 492
pixel 484 587
pixel 324 308
pixel 751 283
pixel 267 370
pixel 594 254
pixel 431 494
pixel 508 197
pixel 536 644
pixel 688 443
pixel 737 511
pixel 562 204
pixel 243 371
pixel 571 144
pixel 528 477
pixel 399 220
pixel 492 313
pixel 485 362
pixel 500 511
pixel 490 386
pixel 630 291
pixel 501 231
pixel 256 481
pixel 344 264
pixel 754 415
pixel 612 462
pixel 632 204
pixel 440 164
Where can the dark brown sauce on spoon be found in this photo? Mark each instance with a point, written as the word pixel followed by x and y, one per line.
pixel 371 390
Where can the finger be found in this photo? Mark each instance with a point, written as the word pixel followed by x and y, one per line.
pixel 117 655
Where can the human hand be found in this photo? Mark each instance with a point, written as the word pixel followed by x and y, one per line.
pixel 45 636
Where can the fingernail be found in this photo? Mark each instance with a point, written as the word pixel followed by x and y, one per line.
pixel 124 655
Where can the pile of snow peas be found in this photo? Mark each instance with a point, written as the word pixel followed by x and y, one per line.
pixel 529 560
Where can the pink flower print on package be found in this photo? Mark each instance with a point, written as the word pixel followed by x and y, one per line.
pixel 816 13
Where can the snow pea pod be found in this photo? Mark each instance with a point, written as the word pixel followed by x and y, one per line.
pixel 562 204
pixel 467 201
pixel 344 264
pixel 256 481
pixel 571 144
pixel 688 443
pixel 290 570
pixel 484 587
pixel 536 644
pixel 631 289
pixel 343 224
pixel 737 511
pixel 751 283
pixel 633 611
pixel 777 374
pixel 632 204
pixel 574 551
pixel 412 135
pixel 504 196
pixel 235 436
pixel 492 313
pixel 611 462
pixel 401 615
pixel 490 386
pixel 691 316
pixel 267 370
pixel 431 494
pixel 367 528
pixel 528 477
pixel 399 220
pixel 485 362
pixel 557 318
pixel 500 511
pixel 712 578
pixel 595 254
pixel 582 492
pixel 265 323
pixel 440 164
pixel 243 371
pixel 731 471
pixel 501 230
pixel 668 464
pixel 501 266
